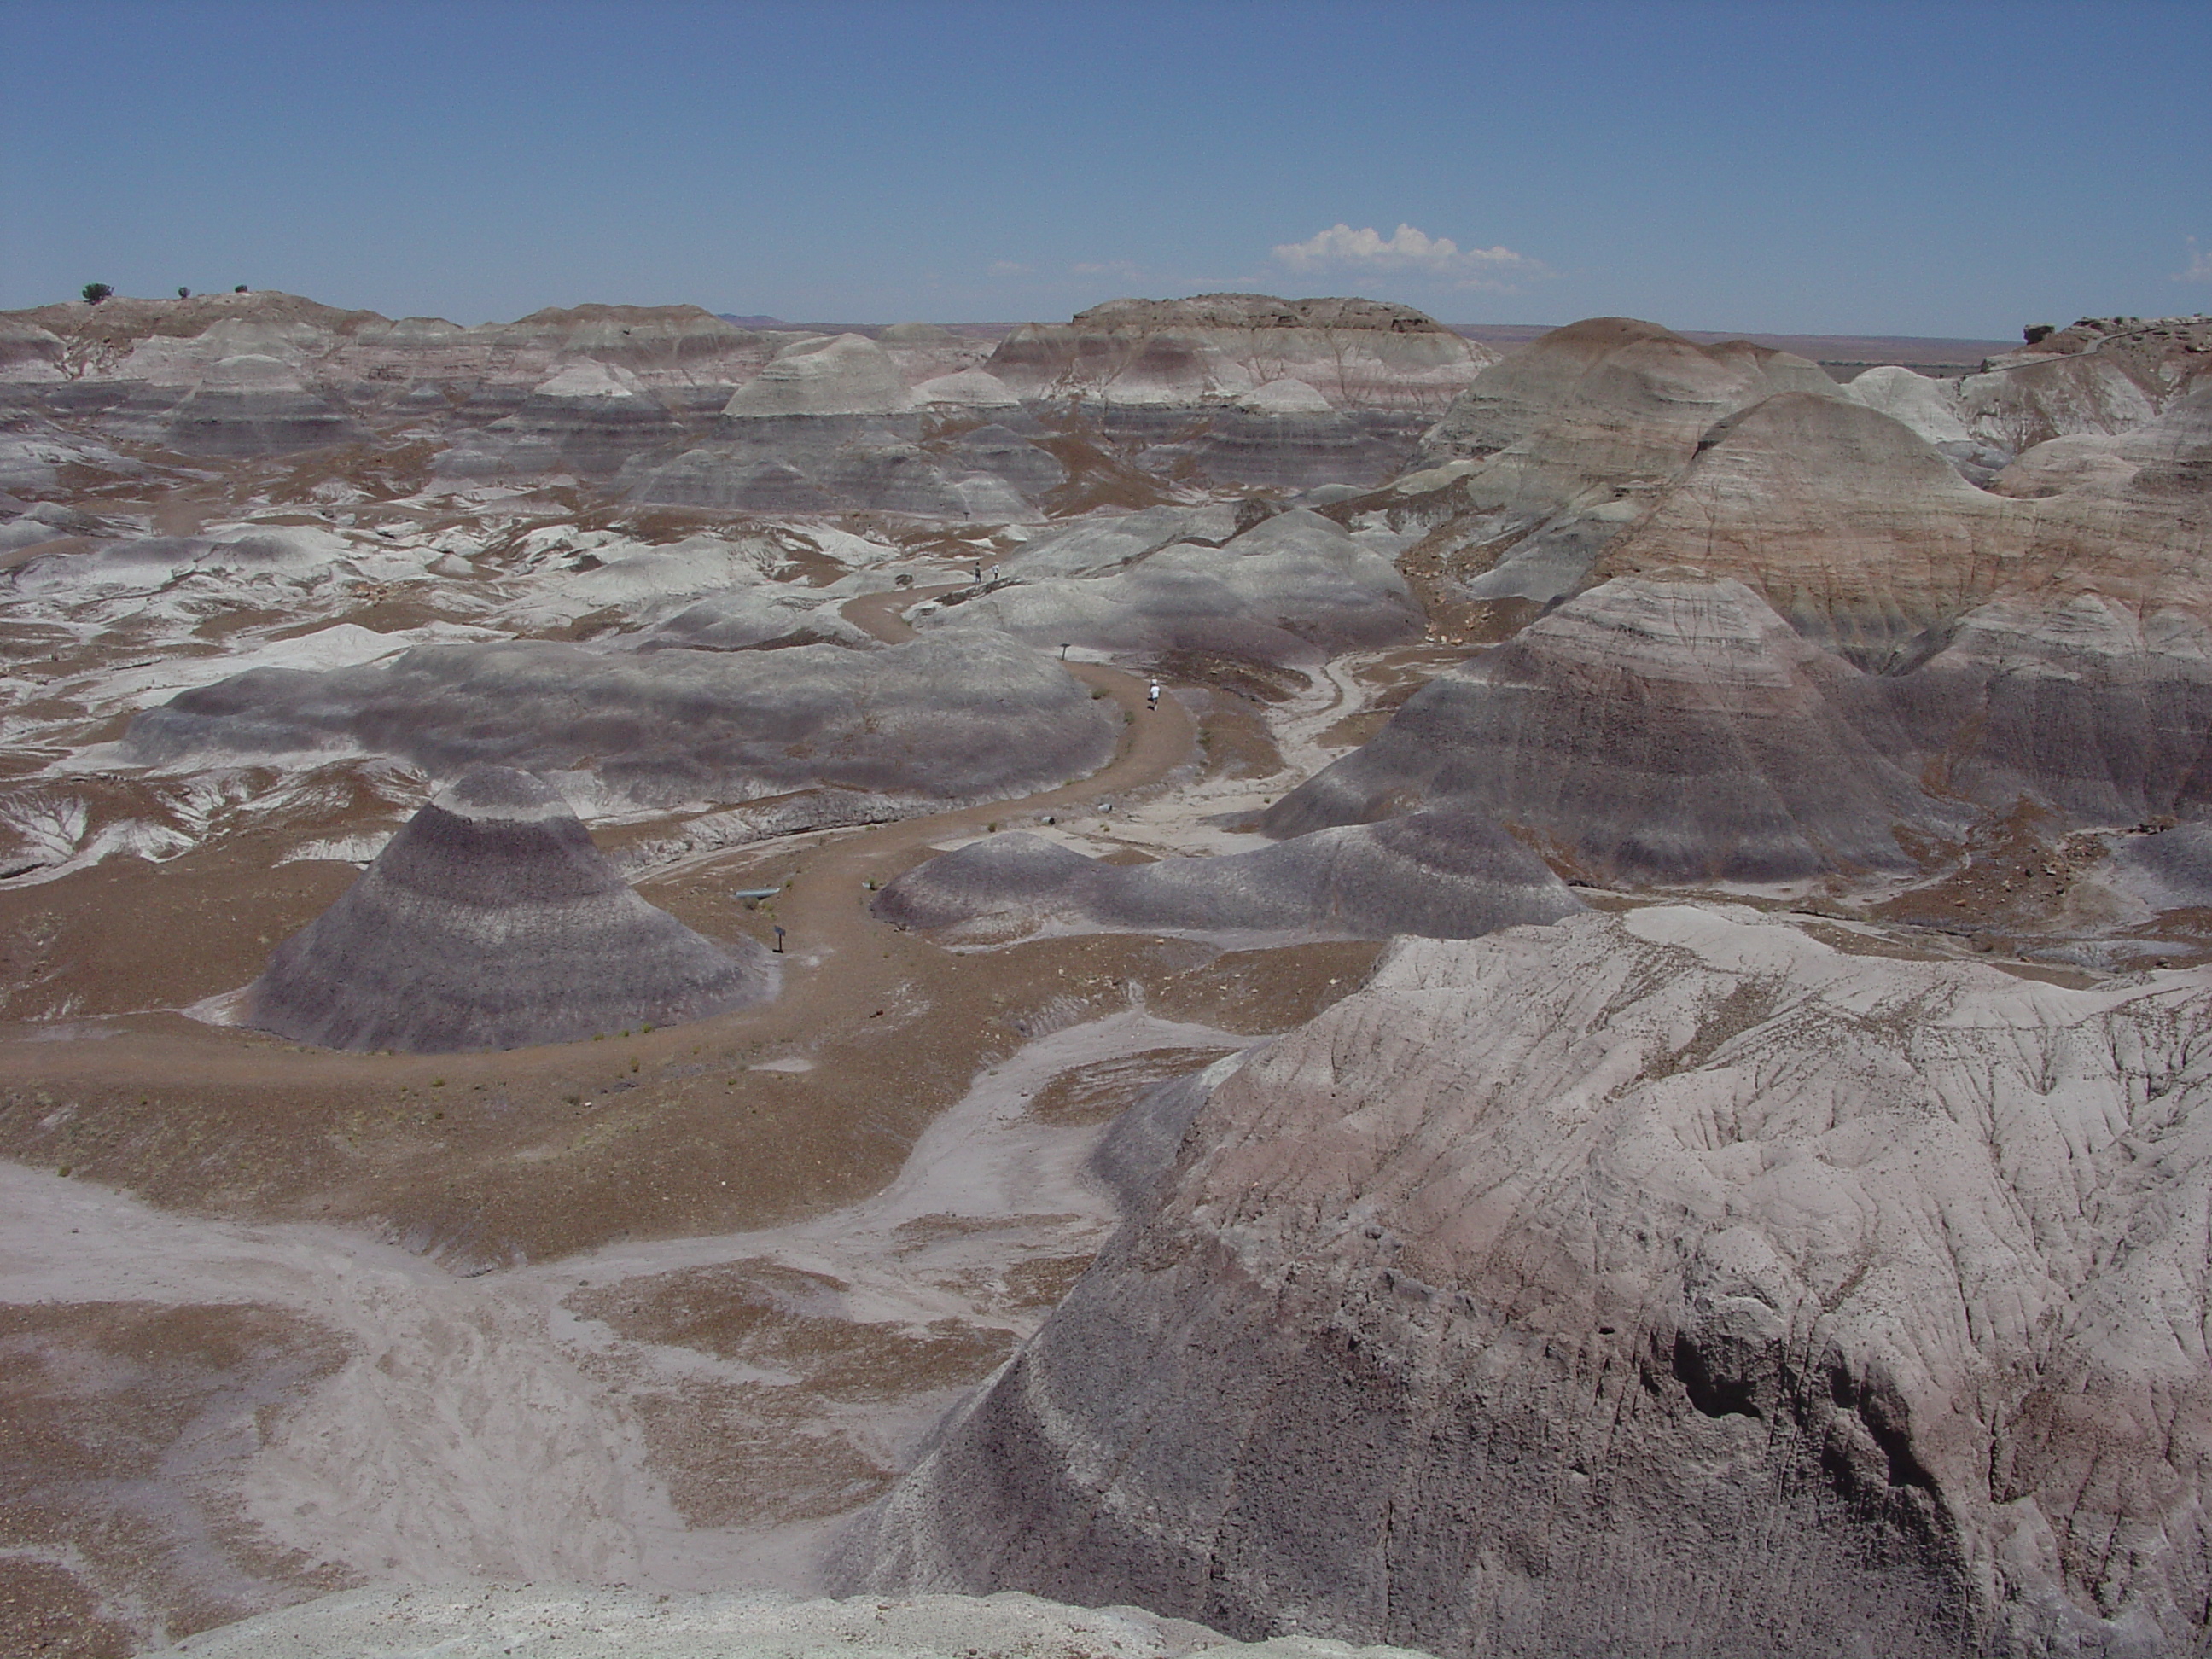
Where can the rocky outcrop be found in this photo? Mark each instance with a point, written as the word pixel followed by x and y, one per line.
pixel 1665 1282
pixel 2101 375
pixel 839 463
pixel 968 388
pixel 1617 397
pixel 979 718
pixel 2176 448
pixel 831 425
pixel 1353 353
pixel 1864 538
pixel 28 352
pixel 491 921
pixel 2086 707
pixel 177 340
pixel 1438 875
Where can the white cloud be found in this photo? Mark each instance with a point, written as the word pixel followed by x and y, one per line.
pixel 1122 268
pixel 1342 248
pixel 1009 267
pixel 2200 264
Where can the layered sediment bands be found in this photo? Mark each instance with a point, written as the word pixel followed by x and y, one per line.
pixel 1850 524
pixel 1355 353
pixel 134 339
pixel 1611 397
pixel 1866 539
pixel 1930 407
pixel 757 618
pixel 980 718
pixel 783 462
pixel 491 921
pixel 658 342
pixel 1277 441
pixel 2019 407
pixel 847 374
pixel 1292 587
pixel 2085 706
pixel 1658 1282
pixel 255 405
pixel 1551 453
pixel 1654 730
pixel 1680 730
pixel 2169 456
pixel 1440 875
pixel 589 419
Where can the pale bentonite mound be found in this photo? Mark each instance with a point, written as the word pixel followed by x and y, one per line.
pixel 491 921
pixel 477 1621
pixel 1662 1283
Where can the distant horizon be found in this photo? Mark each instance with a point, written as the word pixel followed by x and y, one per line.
pixel 764 320
pixel 1875 169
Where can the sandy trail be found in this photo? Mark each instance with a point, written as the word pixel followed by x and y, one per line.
pixel 478 1428
pixel 830 977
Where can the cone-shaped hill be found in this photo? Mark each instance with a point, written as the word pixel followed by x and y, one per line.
pixel 491 921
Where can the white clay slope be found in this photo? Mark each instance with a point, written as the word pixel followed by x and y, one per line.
pixel 1667 1282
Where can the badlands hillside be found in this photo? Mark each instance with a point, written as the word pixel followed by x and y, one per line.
pixel 1239 963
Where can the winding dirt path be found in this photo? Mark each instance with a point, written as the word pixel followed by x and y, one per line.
pixel 829 977
pixel 479 1425
pixel 825 908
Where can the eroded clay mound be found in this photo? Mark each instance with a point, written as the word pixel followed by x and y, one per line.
pixel 1293 588
pixel 477 1621
pixel 982 718
pixel 588 419
pixel 1841 517
pixel 1635 393
pixel 1652 730
pixel 254 405
pixel 1444 876
pixel 491 921
pixel 1551 453
pixel 1661 1283
pixel 1678 731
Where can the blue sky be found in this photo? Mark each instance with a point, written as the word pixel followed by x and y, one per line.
pixel 1927 168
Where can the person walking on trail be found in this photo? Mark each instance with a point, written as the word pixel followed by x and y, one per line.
pixel 1152 697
